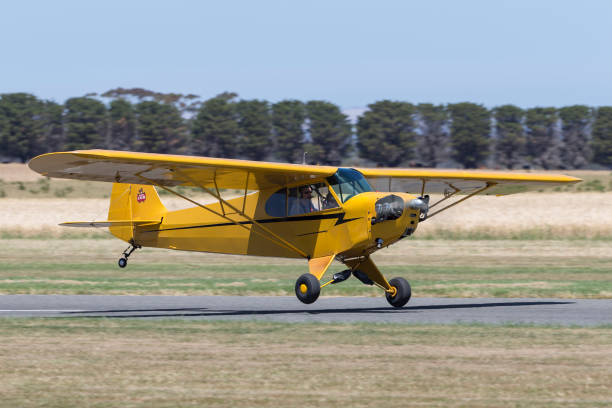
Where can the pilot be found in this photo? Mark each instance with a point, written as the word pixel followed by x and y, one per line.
pixel 304 203
pixel 329 201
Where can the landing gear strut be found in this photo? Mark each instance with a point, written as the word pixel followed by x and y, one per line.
pixel 126 254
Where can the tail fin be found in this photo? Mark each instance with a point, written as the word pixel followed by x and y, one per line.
pixel 134 202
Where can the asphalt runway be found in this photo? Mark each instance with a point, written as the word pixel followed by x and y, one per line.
pixel 565 312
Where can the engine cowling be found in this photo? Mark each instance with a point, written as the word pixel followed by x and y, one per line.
pixel 388 208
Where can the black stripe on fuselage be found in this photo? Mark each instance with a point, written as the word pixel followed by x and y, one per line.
pixel 338 216
pixel 311 233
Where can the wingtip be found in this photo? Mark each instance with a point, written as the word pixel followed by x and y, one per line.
pixel 571 179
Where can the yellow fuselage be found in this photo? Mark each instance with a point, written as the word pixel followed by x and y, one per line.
pixel 345 231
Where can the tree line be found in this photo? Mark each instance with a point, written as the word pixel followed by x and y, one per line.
pixel 388 133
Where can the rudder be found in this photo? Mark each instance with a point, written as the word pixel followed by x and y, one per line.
pixel 133 202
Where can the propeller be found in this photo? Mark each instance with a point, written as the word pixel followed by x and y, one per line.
pixel 421 204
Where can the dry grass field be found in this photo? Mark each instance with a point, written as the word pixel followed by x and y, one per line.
pixel 165 363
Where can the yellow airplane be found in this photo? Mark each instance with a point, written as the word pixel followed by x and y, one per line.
pixel 319 213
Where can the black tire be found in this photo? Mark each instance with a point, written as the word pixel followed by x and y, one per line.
pixel 402 296
pixel 122 262
pixel 311 289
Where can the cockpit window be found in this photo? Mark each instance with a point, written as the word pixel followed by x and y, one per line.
pixel 300 200
pixel 347 183
pixel 310 198
pixel 276 205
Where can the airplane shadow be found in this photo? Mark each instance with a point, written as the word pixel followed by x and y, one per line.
pixel 206 312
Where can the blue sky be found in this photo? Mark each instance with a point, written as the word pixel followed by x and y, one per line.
pixel 529 53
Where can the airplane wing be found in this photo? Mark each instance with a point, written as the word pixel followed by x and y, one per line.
pixel 172 170
pixel 450 182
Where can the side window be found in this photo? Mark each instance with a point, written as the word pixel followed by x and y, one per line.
pixel 276 205
pixel 310 198
pixel 326 199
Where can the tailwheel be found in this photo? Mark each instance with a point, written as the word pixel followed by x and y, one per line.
pixel 122 262
pixel 402 292
pixel 307 288
pixel 126 254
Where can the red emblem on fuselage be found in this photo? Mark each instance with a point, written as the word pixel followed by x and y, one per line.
pixel 141 196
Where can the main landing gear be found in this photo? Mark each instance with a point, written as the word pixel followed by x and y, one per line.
pixel 126 254
pixel 308 287
pixel 403 292
pixel 399 293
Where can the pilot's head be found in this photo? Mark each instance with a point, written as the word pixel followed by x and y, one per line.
pixel 306 192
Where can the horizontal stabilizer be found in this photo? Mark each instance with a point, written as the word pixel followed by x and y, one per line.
pixel 115 223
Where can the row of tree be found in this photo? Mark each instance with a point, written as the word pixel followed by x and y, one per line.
pixel 388 133
pixel 507 136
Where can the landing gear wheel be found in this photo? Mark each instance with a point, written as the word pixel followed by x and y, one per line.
pixel 307 288
pixel 126 254
pixel 402 294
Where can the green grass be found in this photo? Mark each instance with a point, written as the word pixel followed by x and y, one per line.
pixel 64 234
pixel 576 269
pixel 55 188
pixel 348 333
pixel 533 234
pixel 61 188
pixel 252 279
pixel 594 181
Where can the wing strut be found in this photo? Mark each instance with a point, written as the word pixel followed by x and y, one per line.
pixel 447 195
pixel 246 189
pixel 274 238
pixel 480 190
pixel 217 190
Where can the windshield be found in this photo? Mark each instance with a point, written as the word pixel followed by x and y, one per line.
pixel 347 183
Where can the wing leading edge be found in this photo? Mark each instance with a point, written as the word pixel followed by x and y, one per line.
pixel 172 170
pixel 419 181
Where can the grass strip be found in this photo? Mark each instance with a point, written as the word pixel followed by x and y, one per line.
pixel 261 279
pixel 187 363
